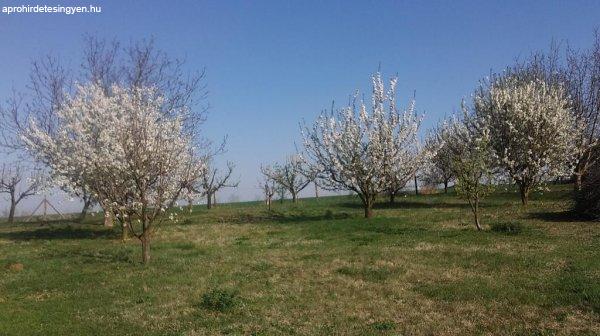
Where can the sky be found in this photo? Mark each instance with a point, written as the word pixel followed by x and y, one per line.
pixel 271 64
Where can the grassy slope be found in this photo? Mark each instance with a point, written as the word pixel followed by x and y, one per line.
pixel 313 268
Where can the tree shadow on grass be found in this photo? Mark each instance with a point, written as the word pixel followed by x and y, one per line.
pixel 281 217
pixel 408 205
pixel 112 254
pixel 40 223
pixel 560 216
pixel 64 232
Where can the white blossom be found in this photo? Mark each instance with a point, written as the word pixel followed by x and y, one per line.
pixel 532 130
pixel 121 148
pixel 364 151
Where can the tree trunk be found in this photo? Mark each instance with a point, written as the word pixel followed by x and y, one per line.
pixel 84 210
pixel 11 213
pixel 190 204
pixel 392 198
pixel 524 191
pixel 416 185
pixel 293 197
pixel 108 218
pixel 475 210
pixel 368 205
pixel 124 234
pixel 316 191
pixel 578 182
pixel 368 211
pixel 477 224
pixel 269 203
pixel 476 213
pixel 145 247
pixel 209 200
pixel 445 187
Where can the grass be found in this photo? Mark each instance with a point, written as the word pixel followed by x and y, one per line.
pixel 507 227
pixel 313 268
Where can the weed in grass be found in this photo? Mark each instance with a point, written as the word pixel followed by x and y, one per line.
pixel 219 300
pixel 363 240
pixel 383 325
pixel 391 230
pixel 241 240
pixel 144 298
pixel 310 256
pixel 184 246
pixel 118 255
pixel 15 267
pixel 186 221
pixel 262 266
pixel 510 228
pixel 373 274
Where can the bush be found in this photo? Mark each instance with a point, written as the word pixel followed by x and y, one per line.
pixel 383 325
pixel 219 300
pixel 507 227
pixel 587 200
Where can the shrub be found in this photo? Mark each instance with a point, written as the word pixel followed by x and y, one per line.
pixel 219 299
pixel 507 227
pixel 383 325
pixel 587 200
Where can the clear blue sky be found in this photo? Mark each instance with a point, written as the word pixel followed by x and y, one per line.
pixel 272 63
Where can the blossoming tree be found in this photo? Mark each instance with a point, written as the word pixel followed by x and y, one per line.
pixel 124 150
pixel 582 78
pixel 406 160
pixel 471 161
pixel 356 149
pixel 294 175
pixel 532 130
pixel 438 169
pixel 105 63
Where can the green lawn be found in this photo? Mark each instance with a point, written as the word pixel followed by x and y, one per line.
pixel 313 268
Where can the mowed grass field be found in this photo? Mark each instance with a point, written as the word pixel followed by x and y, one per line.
pixel 313 268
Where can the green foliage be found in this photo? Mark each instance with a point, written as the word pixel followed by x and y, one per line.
pixel 383 325
pixel 219 300
pixel 473 172
pixel 471 163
